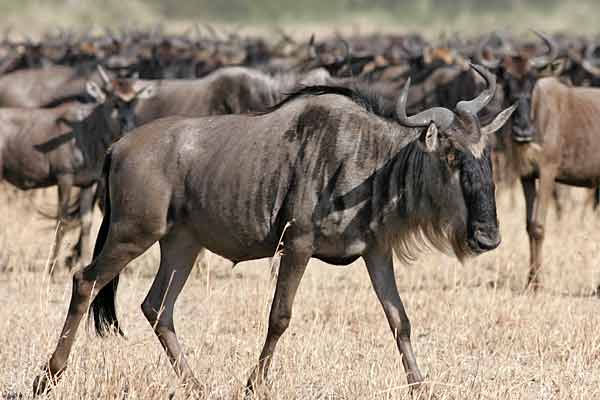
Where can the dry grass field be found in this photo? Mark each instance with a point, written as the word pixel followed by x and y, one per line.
pixel 477 335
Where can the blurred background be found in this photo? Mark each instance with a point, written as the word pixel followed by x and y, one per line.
pixel 429 17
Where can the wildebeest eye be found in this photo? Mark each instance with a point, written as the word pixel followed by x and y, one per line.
pixel 452 159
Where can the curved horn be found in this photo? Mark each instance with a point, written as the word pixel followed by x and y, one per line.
pixel 441 117
pixel 472 107
pixel 312 50
pixel 586 63
pixel 490 64
pixel 542 61
pixel 590 51
pixel 347 50
pixel 590 67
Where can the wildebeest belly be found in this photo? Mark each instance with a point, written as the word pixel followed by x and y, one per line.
pixel 580 171
pixel 229 241
pixel 26 182
pixel 26 173
pixel 575 181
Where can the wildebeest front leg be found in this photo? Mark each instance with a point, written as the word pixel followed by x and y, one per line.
pixel 178 251
pixel 381 271
pixel 65 183
pixel 529 191
pixel 537 208
pixel 291 269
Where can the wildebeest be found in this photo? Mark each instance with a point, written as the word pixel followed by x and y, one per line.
pixel 565 149
pixel 518 70
pixel 62 146
pixel 235 90
pixel 349 177
pixel 45 87
pixel 231 90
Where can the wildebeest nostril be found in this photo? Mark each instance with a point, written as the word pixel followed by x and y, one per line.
pixel 487 240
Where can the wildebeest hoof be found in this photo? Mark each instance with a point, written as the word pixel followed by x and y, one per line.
pixel 255 390
pixel 190 388
pixel 422 391
pixel 533 287
pixel 43 382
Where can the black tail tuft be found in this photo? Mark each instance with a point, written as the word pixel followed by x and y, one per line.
pixel 103 313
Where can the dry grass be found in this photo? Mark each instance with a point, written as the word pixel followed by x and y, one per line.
pixel 476 334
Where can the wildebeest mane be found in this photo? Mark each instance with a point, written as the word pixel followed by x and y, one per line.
pixel 431 212
pixel 357 91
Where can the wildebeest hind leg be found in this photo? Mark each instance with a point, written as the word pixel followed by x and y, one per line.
pixel 179 250
pixel 291 269
pixel 81 253
pixel 381 271
pixel 125 242
pixel 64 194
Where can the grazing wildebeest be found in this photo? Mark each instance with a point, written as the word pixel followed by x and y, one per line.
pixel 352 178
pixel 230 90
pixel 565 149
pixel 63 146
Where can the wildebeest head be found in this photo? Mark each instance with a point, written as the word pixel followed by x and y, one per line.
pixel 118 98
pixel 586 66
pixel 519 71
pixel 463 148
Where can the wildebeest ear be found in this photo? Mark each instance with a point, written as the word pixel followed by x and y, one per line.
pixel 499 121
pixel 430 138
pixel 94 90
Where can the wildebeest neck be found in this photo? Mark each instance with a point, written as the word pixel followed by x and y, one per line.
pixel 425 203
pixel 94 135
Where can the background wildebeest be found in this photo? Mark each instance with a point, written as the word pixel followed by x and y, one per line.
pixel 564 149
pixel 354 178
pixel 232 90
pixel 63 146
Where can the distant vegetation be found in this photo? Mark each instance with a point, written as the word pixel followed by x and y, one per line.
pixel 427 16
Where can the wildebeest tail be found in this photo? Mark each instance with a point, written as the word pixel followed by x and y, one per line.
pixel 103 311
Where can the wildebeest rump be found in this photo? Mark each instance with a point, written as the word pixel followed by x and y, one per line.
pixel 351 179
pixel 35 88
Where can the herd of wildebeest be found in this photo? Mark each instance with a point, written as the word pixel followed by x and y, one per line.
pixel 351 146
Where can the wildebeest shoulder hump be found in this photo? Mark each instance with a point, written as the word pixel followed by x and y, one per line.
pixel 315 117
